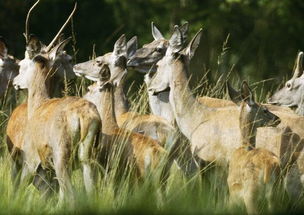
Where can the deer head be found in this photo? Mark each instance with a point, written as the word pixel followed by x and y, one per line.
pixel 50 53
pixel 63 62
pixel 292 94
pixel 30 68
pixel 175 52
pixel 115 61
pixel 251 112
pixel 144 58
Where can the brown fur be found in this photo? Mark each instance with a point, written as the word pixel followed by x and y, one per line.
pixel 144 150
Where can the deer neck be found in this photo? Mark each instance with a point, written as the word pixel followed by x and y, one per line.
pixel 248 130
pixel 120 101
pixel 186 109
pixel 38 90
pixel 160 106
pixel 109 123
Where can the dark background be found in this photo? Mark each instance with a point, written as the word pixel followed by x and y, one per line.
pixel 264 35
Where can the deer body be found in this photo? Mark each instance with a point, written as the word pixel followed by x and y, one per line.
pixel 54 127
pixel 142 149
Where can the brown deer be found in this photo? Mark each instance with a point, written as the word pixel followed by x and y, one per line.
pixel 56 127
pixel 252 171
pixel 143 150
pixel 62 69
pixel 109 99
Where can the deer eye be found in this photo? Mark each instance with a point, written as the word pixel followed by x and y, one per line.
pixel 288 85
pixel 158 49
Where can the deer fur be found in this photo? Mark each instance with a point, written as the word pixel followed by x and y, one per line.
pixel 154 126
pixel 110 100
pixel 252 171
pixel 145 151
pixel 212 138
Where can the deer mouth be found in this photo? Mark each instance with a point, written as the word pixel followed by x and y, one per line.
pixel 156 92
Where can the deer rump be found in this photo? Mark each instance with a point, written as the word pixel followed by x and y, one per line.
pixel 56 128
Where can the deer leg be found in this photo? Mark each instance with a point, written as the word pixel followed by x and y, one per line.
pixel 45 181
pixel 63 174
pixel 86 159
pixel 250 200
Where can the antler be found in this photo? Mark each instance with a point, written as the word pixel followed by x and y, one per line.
pixel 26 34
pixel 48 48
pixel 298 65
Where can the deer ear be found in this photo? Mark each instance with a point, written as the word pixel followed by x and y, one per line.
pixel 156 33
pixel 184 29
pixel 234 95
pixel 298 68
pixel 246 94
pixel 40 60
pixel 131 46
pixel 58 48
pixel 120 47
pixel 194 43
pixel 176 41
pixel 3 48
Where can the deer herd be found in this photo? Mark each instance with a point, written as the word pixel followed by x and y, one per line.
pixel 46 136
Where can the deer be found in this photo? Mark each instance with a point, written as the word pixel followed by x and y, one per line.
pixel 141 150
pixel 17 122
pixel 56 127
pixel 253 171
pixel 8 67
pixel 144 151
pixel 291 95
pixel 154 126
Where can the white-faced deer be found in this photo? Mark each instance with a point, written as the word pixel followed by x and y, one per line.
pixel 56 127
pixel 154 126
pixel 292 94
pixel 8 67
pixel 252 171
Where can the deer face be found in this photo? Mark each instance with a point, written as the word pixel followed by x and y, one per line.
pixel 26 74
pixel 252 113
pixel 28 67
pixel 292 94
pixel 147 56
pixel 115 61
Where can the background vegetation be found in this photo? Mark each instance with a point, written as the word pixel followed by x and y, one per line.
pixel 264 35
